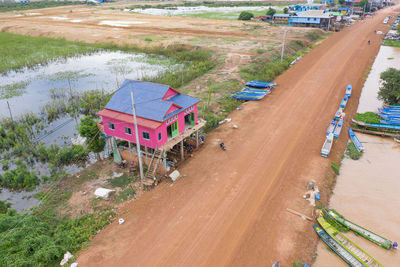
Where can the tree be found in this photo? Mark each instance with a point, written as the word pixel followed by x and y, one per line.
pixel 245 15
pixel 88 128
pixel 285 10
pixel 365 5
pixel 271 11
pixel 389 92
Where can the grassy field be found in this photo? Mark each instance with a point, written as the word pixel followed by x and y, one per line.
pixel 391 43
pixel 225 15
pixel 4 7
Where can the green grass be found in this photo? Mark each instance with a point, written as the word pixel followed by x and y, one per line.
pixel 368 117
pixel 393 43
pixel 18 51
pixel 335 167
pixel 124 195
pixel 352 152
pixel 234 15
pixel 4 7
pixel 123 180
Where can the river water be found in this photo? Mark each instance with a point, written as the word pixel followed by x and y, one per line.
pixel 367 190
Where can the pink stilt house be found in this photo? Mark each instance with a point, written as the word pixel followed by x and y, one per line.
pixel 165 117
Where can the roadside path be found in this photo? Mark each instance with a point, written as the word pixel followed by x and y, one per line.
pixel 230 210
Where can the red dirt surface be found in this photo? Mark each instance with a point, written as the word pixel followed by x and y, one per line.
pixel 230 209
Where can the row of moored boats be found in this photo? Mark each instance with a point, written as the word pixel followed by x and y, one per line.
pixel 255 90
pixel 342 245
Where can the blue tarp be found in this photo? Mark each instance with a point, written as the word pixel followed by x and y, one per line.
pixel 148 100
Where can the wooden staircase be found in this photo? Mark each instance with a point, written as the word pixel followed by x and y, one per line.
pixel 150 177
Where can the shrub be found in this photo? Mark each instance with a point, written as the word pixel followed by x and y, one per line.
pixel 148 39
pixel 4 206
pixel 245 15
pixel 285 10
pixel 352 151
pixel 19 178
pixel 271 11
pixel 314 35
pixel 69 155
pixel 368 117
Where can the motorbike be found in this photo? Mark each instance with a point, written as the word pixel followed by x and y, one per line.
pixel 222 145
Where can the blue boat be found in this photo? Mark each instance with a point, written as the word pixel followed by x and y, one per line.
pixel 261 84
pixel 349 89
pixel 356 141
pixel 338 128
pixel 344 102
pixel 246 97
pixel 378 125
pixel 331 127
pixel 259 91
pixel 389 116
pixel 391 122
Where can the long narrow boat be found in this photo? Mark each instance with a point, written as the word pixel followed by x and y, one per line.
pixel 337 248
pixel 349 245
pixel 344 102
pixel 390 122
pixel 331 127
pixel 349 89
pixel 394 128
pixel 261 84
pixel 356 141
pixel 338 128
pixel 371 236
pixel 389 116
pixel 376 133
pixel 256 90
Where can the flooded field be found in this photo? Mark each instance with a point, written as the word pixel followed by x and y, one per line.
pixel 209 12
pixel 367 193
pixel 387 57
pixel 102 70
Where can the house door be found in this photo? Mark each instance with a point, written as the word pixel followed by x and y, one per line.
pixel 192 121
pixel 174 129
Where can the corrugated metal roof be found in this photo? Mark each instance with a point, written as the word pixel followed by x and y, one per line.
pixel 314 14
pixel 129 118
pixel 282 15
pixel 148 100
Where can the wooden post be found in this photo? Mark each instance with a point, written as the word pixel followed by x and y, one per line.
pixel 145 155
pixel 197 139
pixel 182 155
pixel 165 162
pixel 130 153
pixel 139 155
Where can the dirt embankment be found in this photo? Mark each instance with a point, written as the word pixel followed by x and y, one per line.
pixel 230 210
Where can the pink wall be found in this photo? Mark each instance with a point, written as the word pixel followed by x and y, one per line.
pixel 119 130
pixel 169 94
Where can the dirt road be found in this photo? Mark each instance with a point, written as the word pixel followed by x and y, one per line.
pixel 230 209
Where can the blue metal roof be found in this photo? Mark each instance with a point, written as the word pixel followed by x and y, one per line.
pixel 148 100
pixel 282 15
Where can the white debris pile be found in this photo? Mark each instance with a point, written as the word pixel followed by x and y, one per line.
pixel 312 194
pixel 103 193
pixel 174 175
pixel 67 257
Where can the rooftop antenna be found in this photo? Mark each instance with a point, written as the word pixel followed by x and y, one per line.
pixel 137 138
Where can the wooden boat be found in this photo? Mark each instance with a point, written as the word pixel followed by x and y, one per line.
pixel 371 236
pixel 383 134
pixel 356 141
pixel 247 97
pixel 349 245
pixel 337 248
pixel 263 91
pixel 389 127
pixel 261 84
pixel 390 122
pixel 344 102
pixel 327 146
pixel 338 128
pixel 331 127
pixel 338 114
pixel 349 89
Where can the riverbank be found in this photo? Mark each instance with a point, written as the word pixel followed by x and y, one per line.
pixel 366 190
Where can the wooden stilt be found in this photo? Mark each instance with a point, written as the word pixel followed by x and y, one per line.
pixel 182 155
pixel 145 154
pixel 130 154
pixel 197 139
pixel 165 162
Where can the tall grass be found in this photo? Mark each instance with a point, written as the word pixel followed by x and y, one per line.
pixel 4 7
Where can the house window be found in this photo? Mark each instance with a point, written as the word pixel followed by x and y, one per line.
pixel 146 135
pixel 128 130
pixel 159 136
pixel 111 126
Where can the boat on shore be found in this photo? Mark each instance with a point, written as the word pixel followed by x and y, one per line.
pixel 327 146
pixel 349 90
pixel 353 137
pixel 383 134
pixel 331 127
pixel 261 84
pixel 339 127
pixel 349 245
pixel 343 104
pixel 367 234
pixel 337 248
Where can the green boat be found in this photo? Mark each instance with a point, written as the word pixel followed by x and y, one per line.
pixel 349 245
pixel 337 248
pixel 371 236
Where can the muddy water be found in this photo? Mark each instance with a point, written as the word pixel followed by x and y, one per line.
pixel 386 58
pixel 367 193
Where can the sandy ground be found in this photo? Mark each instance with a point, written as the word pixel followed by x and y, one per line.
pixel 230 210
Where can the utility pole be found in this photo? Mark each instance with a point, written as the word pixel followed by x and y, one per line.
pixel 137 138
pixel 283 44
pixel 10 111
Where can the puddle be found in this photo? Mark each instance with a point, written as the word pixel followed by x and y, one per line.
pixel 180 11
pixel 120 23
pixel 386 58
